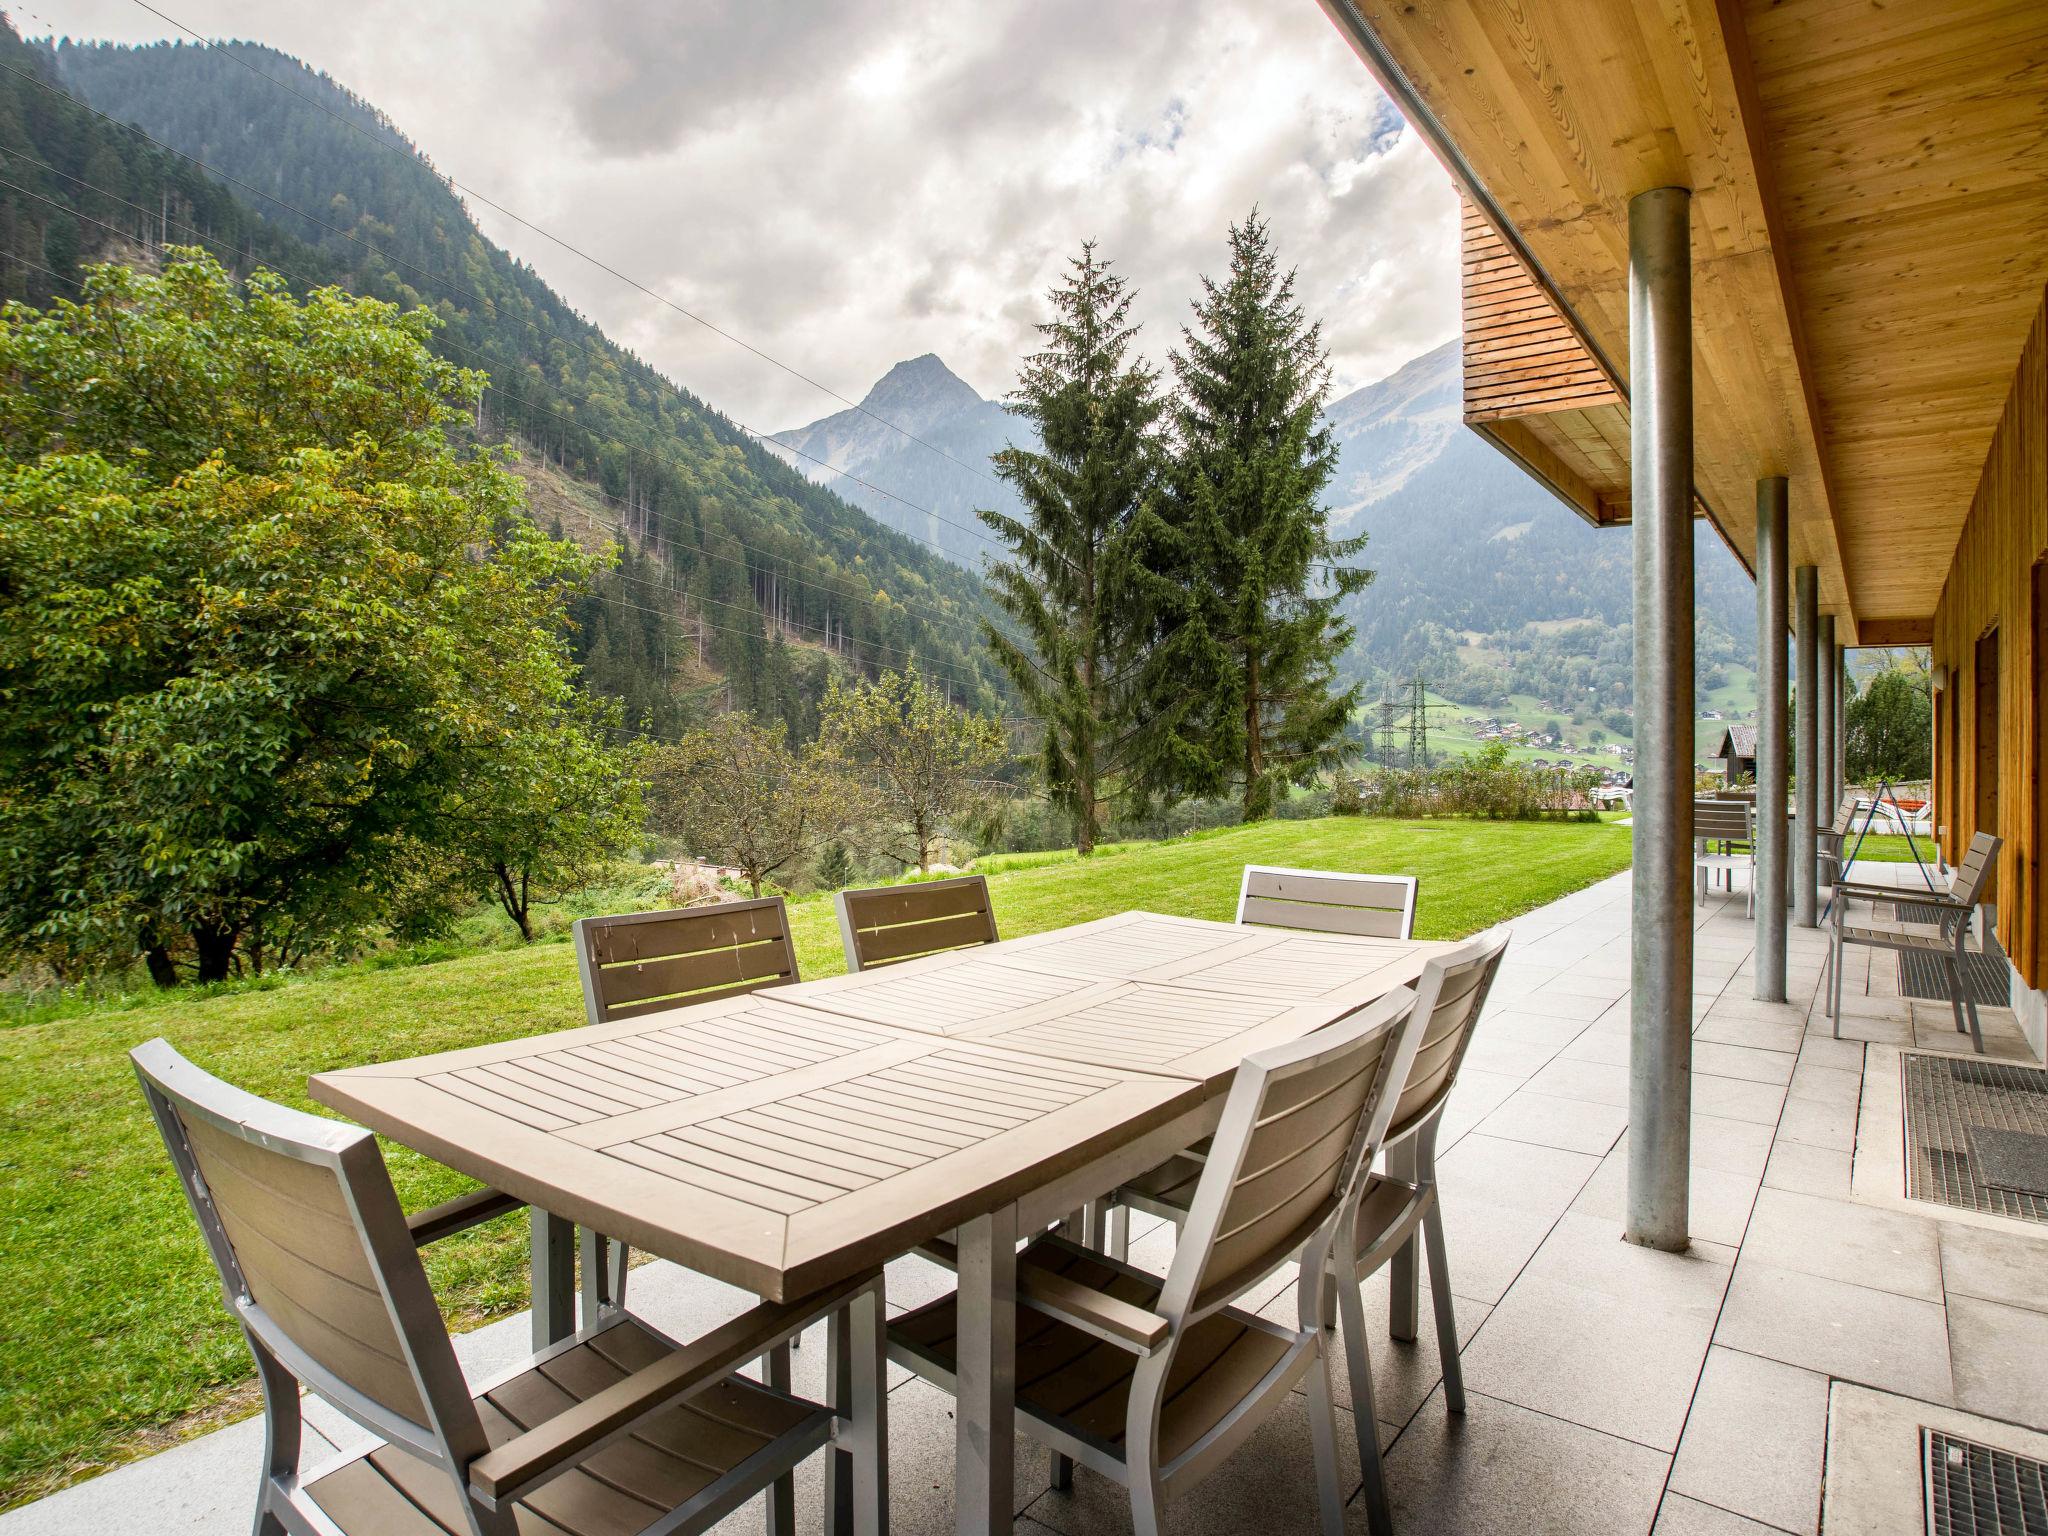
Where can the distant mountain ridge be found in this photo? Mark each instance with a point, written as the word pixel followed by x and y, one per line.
pixel 1486 585
pixel 922 437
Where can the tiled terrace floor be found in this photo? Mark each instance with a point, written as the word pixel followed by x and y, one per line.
pixel 1611 1388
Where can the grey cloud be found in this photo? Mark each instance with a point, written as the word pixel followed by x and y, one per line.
pixel 848 184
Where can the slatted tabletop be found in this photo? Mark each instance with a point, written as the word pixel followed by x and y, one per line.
pixel 786 1139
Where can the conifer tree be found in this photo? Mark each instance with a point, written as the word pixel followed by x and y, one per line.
pixel 1254 701
pixel 1076 580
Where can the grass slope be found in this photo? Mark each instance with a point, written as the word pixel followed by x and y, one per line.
pixel 114 1338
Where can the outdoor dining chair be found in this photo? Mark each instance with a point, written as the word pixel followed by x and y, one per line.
pixel 1324 901
pixel 639 962
pixel 889 924
pixel 1392 1206
pixel 1946 937
pixel 1153 1381
pixel 615 1430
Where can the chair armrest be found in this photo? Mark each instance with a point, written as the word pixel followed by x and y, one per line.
pixel 459 1215
pixel 549 1449
pixel 1047 1290
pixel 1097 1312
pixel 1902 893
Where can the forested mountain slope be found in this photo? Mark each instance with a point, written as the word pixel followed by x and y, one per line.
pixel 1487 585
pixel 734 556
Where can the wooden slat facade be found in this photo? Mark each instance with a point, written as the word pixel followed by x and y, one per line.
pixel 1522 357
pixel 1996 586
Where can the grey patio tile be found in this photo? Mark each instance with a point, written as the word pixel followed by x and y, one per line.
pixel 1762 1034
pixel 1718 1207
pixel 1582 981
pixel 1841 1240
pixel 1818 1124
pixel 1545 1003
pixel 1823 1050
pixel 1995 1265
pixel 1755 1440
pixel 1602 1042
pixel 202 1487
pixel 1738 1006
pixel 1894 1343
pixel 1593 1081
pixel 1827 1085
pixel 1488 1243
pixel 1404 1371
pixel 1491 1051
pixel 1736 1098
pixel 1809 1170
pixel 1501 1470
pixel 1602 1333
pixel 1537 1029
pixel 1267 1484
pixel 1514 1174
pixel 1739 1147
pixel 1681 1516
pixel 2000 1358
pixel 1877 1028
pixel 1741 1061
pixel 1545 1120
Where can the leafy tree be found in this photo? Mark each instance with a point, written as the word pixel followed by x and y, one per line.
pixel 923 763
pixel 736 793
pixel 259 623
pixel 1252 697
pixel 547 808
pixel 835 867
pixel 1077 581
pixel 1890 728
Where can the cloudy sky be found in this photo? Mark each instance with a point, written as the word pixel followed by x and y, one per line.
pixel 846 183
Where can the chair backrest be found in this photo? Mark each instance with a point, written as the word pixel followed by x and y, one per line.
pixel 892 923
pixel 314 1256
pixel 645 961
pixel 1301 1122
pixel 1322 901
pixel 1451 995
pixel 1721 821
pixel 1973 876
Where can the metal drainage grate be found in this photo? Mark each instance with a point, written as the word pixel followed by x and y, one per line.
pixel 1987 979
pixel 1979 1490
pixel 1946 1096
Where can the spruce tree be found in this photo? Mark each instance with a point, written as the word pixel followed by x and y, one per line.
pixel 1076 581
pixel 1254 701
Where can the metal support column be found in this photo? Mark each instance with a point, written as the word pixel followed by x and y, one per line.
pixel 1660 456
pixel 1829 700
pixel 1772 697
pixel 1806 743
pixel 1840 775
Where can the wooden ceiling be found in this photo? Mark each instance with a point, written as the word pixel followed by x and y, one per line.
pixel 1870 236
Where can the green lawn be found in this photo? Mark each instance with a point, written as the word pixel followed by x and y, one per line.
pixel 114 1338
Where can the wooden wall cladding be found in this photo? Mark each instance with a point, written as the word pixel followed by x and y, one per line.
pixel 1992 584
pixel 1521 356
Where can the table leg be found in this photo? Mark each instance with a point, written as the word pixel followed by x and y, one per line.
pixel 554 1278
pixel 985 1431
pixel 781 1507
pixel 1405 1270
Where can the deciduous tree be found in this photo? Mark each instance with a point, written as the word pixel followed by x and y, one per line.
pixel 921 763
pixel 736 793
pixel 260 622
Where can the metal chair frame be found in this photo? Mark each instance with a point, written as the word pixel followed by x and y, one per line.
pixel 1187 1295
pixel 487 1482
pixel 1949 935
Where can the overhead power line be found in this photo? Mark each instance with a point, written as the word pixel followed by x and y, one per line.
pixel 412 157
pixel 468 296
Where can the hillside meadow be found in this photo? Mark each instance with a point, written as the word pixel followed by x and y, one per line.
pixel 114 1338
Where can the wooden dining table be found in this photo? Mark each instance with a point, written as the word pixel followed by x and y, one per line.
pixel 788 1138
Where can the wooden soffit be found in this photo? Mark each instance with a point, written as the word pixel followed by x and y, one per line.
pixel 1870 230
